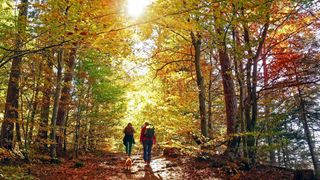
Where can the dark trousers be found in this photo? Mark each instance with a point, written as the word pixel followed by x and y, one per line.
pixel 128 148
pixel 147 147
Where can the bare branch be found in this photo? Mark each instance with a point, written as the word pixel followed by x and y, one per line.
pixel 25 52
pixel 168 63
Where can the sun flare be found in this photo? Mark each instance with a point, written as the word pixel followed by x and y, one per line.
pixel 136 7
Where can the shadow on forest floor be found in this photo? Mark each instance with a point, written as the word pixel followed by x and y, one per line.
pixel 109 165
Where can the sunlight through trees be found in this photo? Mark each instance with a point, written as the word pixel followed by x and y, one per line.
pixel 236 80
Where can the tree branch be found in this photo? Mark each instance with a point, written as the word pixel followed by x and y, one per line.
pixel 25 52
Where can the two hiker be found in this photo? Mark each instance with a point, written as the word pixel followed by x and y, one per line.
pixel 147 139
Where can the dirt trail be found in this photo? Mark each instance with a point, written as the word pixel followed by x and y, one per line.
pixel 109 166
pixel 106 165
pixel 159 168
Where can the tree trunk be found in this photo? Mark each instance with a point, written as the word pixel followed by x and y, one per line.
pixel 303 119
pixel 65 133
pixel 229 91
pixel 85 130
pixel 311 145
pixel 272 157
pixel 251 103
pixel 77 128
pixel 65 98
pixel 239 73
pixel 92 129
pixel 12 99
pixel 279 155
pixel 91 136
pixel 196 41
pixel 18 127
pixel 34 106
pixel 18 133
pixel 45 105
pixel 210 125
pixel 229 98
pixel 56 105
pixel 248 99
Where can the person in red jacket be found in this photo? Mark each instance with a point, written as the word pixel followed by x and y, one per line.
pixel 147 138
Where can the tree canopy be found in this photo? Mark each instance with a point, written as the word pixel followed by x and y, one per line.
pixel 237 78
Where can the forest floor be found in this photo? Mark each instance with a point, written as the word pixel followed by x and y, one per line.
pixel 106 165
pixel 110 165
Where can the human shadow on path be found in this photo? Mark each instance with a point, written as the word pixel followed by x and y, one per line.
pixel 149 174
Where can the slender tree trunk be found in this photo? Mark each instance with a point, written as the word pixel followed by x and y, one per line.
pixel 31 103
pixel 85 139
pixel 22 118
pixel 56 105
pixel 272 157
pixel 303 119
pixel 251 103
pixel 210 126
pixel 311 145
pixel 12 99
pixel 34 106
pixel 248 100
pixel 279 156
pixel 196 41
pixel 239 72
pixel 285 150
pixel 91 136
pixel 65 133
pixel 65 98
pixel 76 143
pixel 92 129
pixel 19 124
pixel 45 105
pixel 77 128
pixel 284 156
pixel 84 134
pixel 29 132
pixel 18 133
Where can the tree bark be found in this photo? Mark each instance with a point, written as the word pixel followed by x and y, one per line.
pixel 308 135
pixel 92 129
pixel 18 127
pixel 45 105
pixel 65 98
pixel 85 130
pixel 56 105
pixel 251 102
pixel 311 145
pixel 230 99
pixel 272 156
pixel 229 91
pixel 239 72
pixel 12 99
pixel 77 128
pixel 34 106
pixel 210 123
pixel 65 133
pixel 91 138
pixel 196 41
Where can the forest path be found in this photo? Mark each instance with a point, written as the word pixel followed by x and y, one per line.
pixel 108 165
pixel 111 166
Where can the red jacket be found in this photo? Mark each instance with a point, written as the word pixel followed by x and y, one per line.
pixel 143 137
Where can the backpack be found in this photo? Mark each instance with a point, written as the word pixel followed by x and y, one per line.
pixel 149 132
pixel 129 130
